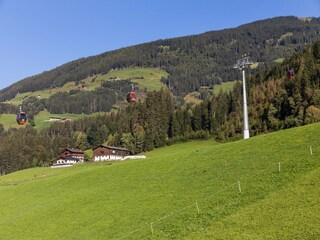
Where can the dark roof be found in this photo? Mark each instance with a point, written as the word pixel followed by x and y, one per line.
pixel 74 150
pixel 112 147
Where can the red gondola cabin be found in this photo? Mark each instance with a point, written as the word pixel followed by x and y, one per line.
pixel 290 74
pixel 131 97
pixel 22 118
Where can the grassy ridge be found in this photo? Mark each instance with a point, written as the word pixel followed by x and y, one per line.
pixel 150 81
pixel 46 93
pixel 144 78
pixel 126 200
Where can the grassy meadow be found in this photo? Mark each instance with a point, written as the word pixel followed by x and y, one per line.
pixel 144 78
pixel 9 120
pixel 279 60
pixel 193 97
pixel 41 120
pixel 225 87
pixel 265 187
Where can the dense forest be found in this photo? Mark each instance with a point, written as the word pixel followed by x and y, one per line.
pixel 191 61
pixel 274 101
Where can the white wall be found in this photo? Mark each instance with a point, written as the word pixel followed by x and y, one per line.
pixel 107 158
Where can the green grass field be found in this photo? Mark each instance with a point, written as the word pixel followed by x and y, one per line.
pixel 9 120
pixel 279 60
pixel 41 120
pixel 150 81
pixel 225 87
pixel 193 97
pixel 194 190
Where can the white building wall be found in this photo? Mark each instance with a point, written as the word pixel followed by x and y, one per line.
pixel 134 157
pixel 107 158
pixel 71 161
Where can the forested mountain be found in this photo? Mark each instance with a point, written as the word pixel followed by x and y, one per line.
pixel 274 101
pixel 191 61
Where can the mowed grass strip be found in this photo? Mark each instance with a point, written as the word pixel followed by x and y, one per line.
pixel 159 197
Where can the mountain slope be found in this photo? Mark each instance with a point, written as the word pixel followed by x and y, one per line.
pixel 191 61
pixel 157 198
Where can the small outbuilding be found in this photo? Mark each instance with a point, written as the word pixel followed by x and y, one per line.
pixel 109 153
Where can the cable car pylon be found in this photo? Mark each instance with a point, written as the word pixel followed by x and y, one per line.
pixel 241 64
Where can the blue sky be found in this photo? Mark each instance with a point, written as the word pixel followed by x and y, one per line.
pixel 38 35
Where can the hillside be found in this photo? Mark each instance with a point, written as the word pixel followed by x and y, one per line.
pixel 194 190
pixel 159 119
pixel 191 61
pixel 102 93
pixel 143 78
